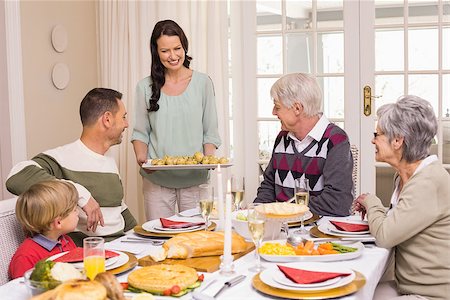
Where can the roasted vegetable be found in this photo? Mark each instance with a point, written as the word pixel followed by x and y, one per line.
pixel 342 248
pixel 42 274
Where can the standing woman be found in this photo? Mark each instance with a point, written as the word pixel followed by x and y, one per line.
pixel 418 224
pixel 176 116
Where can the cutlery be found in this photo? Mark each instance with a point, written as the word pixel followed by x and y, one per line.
pixel 295 240
pixel 208 284
pixel 154 243
pixel 141 238
pixel 228 284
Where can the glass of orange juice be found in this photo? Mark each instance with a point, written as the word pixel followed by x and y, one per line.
pixel 93 256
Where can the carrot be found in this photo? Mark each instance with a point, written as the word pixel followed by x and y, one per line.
pixel 302 251
pixel 315 252
pixel 323 251
pixel 327 246
pixel 309 245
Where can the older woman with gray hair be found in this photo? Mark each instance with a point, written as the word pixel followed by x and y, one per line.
pixel 308 146
pixel 417 225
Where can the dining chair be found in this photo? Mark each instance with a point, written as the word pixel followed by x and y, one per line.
pixel 11 236
pixel 355 173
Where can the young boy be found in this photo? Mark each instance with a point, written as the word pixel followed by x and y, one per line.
pixel 47 211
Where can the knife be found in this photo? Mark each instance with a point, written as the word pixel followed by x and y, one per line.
pixel 230 283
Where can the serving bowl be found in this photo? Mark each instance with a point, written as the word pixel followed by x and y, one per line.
pixel 272 228
pixel 38 287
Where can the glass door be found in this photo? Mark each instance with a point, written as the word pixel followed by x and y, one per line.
pixel 411 54
pixel 393 47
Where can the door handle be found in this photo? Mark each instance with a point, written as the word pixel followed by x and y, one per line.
pixel 368 100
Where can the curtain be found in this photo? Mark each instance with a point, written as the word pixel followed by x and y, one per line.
pixel 124 29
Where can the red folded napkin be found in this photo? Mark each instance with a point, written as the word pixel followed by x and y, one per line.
pixel 76 255
pixel 166 223
pixel 351 227
pixel 307 277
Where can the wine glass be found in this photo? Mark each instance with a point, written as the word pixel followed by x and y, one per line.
pixel 302 197
pixel 206 201
pixel 256 228
pixel 237 190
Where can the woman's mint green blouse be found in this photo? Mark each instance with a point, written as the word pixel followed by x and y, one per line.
pixel 181 126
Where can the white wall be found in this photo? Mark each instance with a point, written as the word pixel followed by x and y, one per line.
pixel 52 116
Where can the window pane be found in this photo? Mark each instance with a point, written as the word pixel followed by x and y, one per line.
pixel 388 12
pixel 267 131
pixel 330 56
pixel 446 15
pixel 389 87
pixel 268 15
pixel 230 96
pixel 265 103
pixel 270 59
pixel 426 87
pixel 330 13
pixel 446 95
pixel 423 49
pixel 333 96
pixel 231 139
pixel 446 142
pixel 299 49
pixel 389 50
pixel 422 11
pixel 446 48
pixel 298 14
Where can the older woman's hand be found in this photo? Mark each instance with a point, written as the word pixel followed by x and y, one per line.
pixel 359 206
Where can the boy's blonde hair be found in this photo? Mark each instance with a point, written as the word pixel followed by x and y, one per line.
pixel 43 202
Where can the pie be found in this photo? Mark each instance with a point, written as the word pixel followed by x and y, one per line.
pixel 75 290
pixel 281 209
pixel 158 278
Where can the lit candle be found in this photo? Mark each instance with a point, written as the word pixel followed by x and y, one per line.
pixel 227 257
pixel 220 208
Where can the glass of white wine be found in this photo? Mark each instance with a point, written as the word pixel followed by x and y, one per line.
pixel 256 228
pixel 302 197
pixel 237 190
pixel 206 202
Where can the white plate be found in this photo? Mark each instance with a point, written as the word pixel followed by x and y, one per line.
pixel 153 225
pixel 193 212
pixel 308 215
pixel 315 258
pixel 110 263
pixel 267 276
pixel 122 259
pixel 183 167
pixel 327 228
pixel 335 229
pixel 177 229
pixel 286 281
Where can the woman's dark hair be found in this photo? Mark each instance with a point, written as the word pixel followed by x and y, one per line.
pixel 170 28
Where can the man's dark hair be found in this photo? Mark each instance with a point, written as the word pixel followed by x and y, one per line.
pixel 96 103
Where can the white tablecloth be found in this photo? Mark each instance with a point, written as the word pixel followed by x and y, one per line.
pixel 371 264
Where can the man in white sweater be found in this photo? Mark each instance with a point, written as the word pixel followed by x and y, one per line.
pixel 83 163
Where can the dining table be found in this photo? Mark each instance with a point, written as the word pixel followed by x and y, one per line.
pixel 371 264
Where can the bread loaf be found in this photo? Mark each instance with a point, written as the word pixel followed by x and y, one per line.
pixel 201 243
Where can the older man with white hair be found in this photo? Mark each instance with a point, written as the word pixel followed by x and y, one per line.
pixel 308 146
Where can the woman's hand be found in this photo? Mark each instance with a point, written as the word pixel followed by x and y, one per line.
pixel 141 159
pixel 358 205
pixel 140 150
